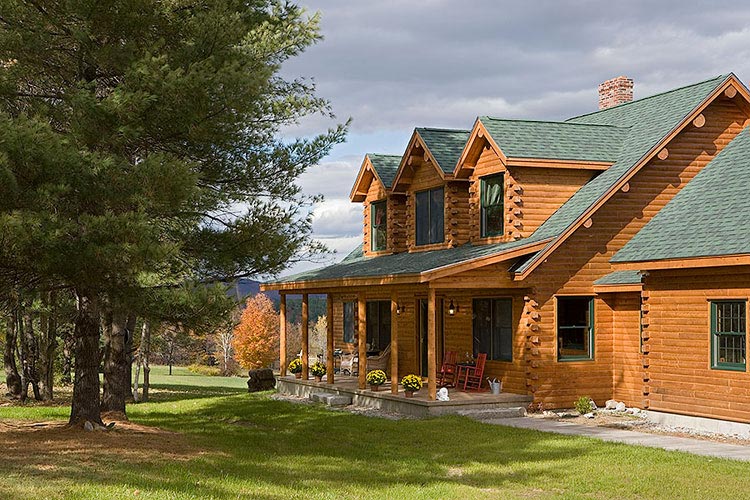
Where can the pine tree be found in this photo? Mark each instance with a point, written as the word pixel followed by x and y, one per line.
pixel 141 148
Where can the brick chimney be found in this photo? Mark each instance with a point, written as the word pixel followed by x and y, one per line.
pixel 615 91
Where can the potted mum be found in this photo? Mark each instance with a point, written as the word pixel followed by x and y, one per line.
pixel 318 369
pixel 411 384
pixel 375 378
pixel 295 366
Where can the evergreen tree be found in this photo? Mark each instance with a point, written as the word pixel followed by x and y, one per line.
pixel 142 149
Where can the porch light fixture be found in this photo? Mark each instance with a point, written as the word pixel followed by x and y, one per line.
pixel 452 309
pixel 398 309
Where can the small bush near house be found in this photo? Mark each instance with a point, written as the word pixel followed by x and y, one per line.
pixel 376 377
pixel 411 383
pixel 210 371
pixel 583 405
pixel 295 366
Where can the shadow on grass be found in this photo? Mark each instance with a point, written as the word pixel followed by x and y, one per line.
pixel 161 393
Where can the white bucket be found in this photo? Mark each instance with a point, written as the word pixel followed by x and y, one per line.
pixel 496 386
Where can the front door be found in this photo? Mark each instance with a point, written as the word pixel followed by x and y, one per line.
pixel 422 334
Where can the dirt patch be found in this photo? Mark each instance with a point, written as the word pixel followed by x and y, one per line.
pixel 42 445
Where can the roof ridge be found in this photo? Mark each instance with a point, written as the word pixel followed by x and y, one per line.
pixel 384 154
pixel 437 129
pixel 564 122
pixel 722 77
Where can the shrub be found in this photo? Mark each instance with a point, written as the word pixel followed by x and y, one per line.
pixel 376 377
pixel 295 366
pixel 411 383
pixel 318 369
pixel 583 405
pixel 210 371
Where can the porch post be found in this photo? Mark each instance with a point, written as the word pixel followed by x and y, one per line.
pixel 305 340
pixel 431 344
pixel 362 341
pixel 394 345
pixel 329 339
pixel 282 335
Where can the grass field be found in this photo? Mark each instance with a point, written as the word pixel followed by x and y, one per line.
pixel 205 437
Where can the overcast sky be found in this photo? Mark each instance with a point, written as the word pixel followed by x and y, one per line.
pixel 395 65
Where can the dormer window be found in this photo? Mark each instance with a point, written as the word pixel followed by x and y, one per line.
pixel 430 216
pixel 378 226
pixel 491 188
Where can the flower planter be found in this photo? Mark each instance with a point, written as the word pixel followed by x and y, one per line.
pixel 409 394
pixel 297 375
pixel 318 378
pixel 374 388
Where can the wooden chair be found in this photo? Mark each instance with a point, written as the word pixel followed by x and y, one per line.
pixel 474 373
pixel 447 375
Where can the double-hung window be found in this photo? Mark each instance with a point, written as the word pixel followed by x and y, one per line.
pixel 350 326
pixel 378 324
pixel 575 328
pixel 491 210
pixel 728 334
pixel 430 216
pixel 378 226
pixel 493 328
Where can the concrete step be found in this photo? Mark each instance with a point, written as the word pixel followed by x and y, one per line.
pixel 494 413
pixel 331 399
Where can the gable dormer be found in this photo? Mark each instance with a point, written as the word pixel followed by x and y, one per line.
pixel 436 203
pixel 521 171
pixel 382 230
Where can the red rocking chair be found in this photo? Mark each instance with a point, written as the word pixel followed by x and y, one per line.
pixel 474 373
pixel 448 370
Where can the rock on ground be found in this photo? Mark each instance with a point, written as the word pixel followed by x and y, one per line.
pixel 260 380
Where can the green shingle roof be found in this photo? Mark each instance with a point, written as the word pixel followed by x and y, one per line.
pixel 355 265
pixel 708 217
pixel 650 120
pixel 620 278
pixel 555 140
pixel 386 167
pixel 446 145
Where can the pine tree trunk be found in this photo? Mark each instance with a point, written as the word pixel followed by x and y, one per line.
pixel 12 378
pixel 116 383
pixel 86 385
pixel 146 346
pixel 29 354
pixel 129 351
pixel 67 365
pixel 48 347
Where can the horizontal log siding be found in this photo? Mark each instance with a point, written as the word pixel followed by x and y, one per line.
pixel 679 354
pixel 627 368
pixel 584 256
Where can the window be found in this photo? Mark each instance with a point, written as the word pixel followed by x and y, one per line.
pixel 378 324
pixel 430 216
pixel 728 332
pixel 491 211
pixel 575 328
pixel 493 328
pixel 378 226
pixel 350 321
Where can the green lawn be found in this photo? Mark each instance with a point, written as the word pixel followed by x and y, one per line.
pixel 226 443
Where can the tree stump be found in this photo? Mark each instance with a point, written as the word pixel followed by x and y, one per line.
pixel 260 380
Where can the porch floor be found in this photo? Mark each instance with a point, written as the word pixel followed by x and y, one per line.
pixel 418 406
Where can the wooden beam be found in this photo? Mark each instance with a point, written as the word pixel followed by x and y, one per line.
pixel 282 335
pixel 617 288
pixel 625 187
pixel 663 154
pixel 730 92
pixel 362 340
pixel 699 121
pixel 394 345
pixel 686 263
pixel 305 339
pixel 329 339
pixel 431 345
pixel 588 223
pixel 561 164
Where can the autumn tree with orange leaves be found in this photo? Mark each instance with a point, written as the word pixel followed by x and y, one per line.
pixel 256 338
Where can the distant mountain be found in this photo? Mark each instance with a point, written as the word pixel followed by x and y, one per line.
pixel 245 287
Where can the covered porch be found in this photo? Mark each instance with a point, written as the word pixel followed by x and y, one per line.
pixel 422 323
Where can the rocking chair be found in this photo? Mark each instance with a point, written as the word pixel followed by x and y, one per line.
pixel 448 370
pixel 474 373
